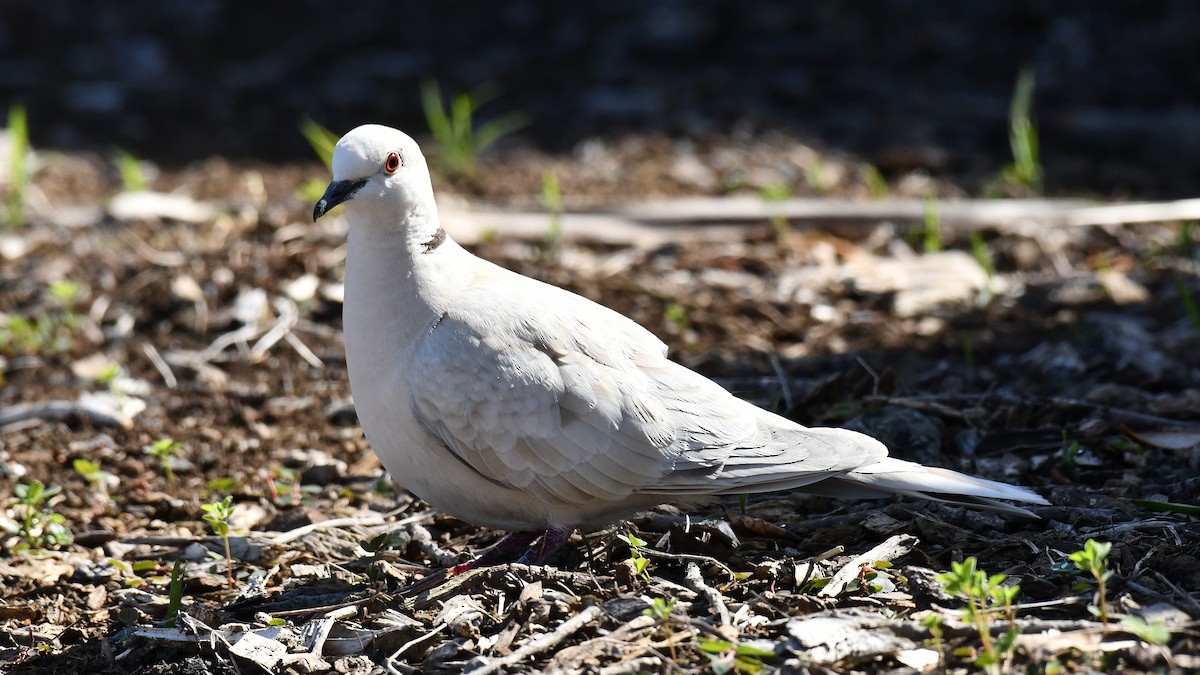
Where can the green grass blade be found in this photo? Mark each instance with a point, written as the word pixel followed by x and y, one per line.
pixel 18 174
pixel 1168 507
pixel 321 139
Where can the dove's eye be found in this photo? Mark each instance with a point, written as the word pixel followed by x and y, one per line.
pixel 391 163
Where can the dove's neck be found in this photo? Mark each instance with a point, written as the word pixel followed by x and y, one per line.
pixel 399 276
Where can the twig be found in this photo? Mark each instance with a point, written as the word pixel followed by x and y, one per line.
pixel 690 558
pixel 693 580
pixel 151 254
pixel 390 661
pixel 652 223
pixel 644 664
pixel 161 366
pixel 1184 597
pixel 303 350
pixel 52 411
pixel 364 520
pixel 542 642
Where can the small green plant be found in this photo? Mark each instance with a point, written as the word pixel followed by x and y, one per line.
pixel 986 599
pixel 1187 300
pixel 133 178
pixel 636 559
pixel 1026 169
pixel 773 194
pixel 1184 238
pixel 660 609
pixel 109 373
pixel 18 169
pixel 984 257
pixel 1070 450
pixel 1155 633
pixel 817 175
pixel 875 578
pixel 677 315
pixel 174 594
pixel 52 330
pixel 932 242
pixel 217 515
pixel 933 623
pixel 165 450
pixel 1093 558
pixel 322 140
pixel 552 201
pixel 459 140
pixel 132 573
pixel 101 481
pixel 968 349
pixel 33 520
pixel 877 186
pixel 726 657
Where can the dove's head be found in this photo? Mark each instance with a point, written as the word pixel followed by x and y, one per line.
pixel 377 167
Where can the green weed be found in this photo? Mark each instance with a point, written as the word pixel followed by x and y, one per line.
pixel 984 257
pixel 18 166
pixel 133 178
pixel 101 481
pixel 660 609
pixel 1154 633
pixel 33 520
pixel 1070 450
pixel 636 559
pixel 1026 169
pixel 877 187
pixel 727 657
pixel 47 332
pixel 774 194
pixel 322 140
pixel 677 315
pixel 458 139
pixel 1093 558
pixel 217 515
pixel 131 573
pixel 174 594
pixel 932 242
pixel 1186 299
pixel 933 623
pixel 552 202
pixel 165 450
pixel 986 600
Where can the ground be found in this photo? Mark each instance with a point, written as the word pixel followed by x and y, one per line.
pixel 1060 358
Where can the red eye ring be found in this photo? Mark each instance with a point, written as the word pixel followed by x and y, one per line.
pixel 392 162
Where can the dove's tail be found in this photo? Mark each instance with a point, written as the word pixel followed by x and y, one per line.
pixel 871 474
pixel 897 477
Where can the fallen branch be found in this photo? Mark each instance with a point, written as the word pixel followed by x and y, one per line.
pixel 889 550
pixel 712 596
pixel 543 642
pixel 653 223
pixel 53 411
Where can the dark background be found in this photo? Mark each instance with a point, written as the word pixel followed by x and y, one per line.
pixel 905 84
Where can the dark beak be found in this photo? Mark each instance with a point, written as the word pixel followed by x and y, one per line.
pixel 337 192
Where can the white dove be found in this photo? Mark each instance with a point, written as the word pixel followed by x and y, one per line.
pixel 516 405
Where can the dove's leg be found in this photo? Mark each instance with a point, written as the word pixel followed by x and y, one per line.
pixel 500 551
pixel 551 541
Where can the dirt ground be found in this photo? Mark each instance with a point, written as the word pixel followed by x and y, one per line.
pixel 1072 367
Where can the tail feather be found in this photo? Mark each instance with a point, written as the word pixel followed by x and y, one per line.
pixel 895 476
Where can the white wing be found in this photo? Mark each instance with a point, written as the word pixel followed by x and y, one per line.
pixel 574 403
